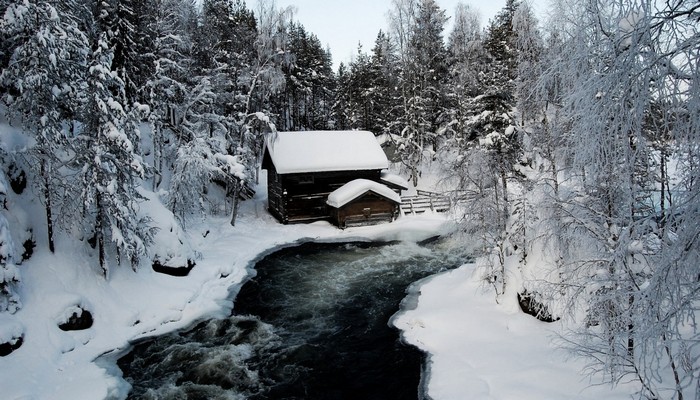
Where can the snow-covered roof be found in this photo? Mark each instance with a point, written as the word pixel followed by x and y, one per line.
pixel 325 151
pixel 354 189
pixel 393 179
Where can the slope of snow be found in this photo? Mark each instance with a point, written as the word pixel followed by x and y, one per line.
pixel 480 350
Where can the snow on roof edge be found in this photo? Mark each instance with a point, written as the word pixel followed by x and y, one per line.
pixel 393 179
pixel 354 189
pixel 325 151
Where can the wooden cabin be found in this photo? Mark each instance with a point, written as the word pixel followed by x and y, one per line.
pixel 363 202
pixel 304 168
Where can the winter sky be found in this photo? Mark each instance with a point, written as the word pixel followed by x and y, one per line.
pixel 342 24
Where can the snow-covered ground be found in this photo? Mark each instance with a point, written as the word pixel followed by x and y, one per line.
pixel 486 351
pixel 479 350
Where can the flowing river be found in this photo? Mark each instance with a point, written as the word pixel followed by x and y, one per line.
pixel 312 324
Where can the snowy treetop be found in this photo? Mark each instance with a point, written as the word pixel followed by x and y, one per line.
pixel 354 189
pixel 324 151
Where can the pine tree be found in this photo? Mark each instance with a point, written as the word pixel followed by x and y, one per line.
pixel 422 76
pixel 528 50
pixel 9 273
pixel 110 164
pixel 341 105
pixel 169 84
pixel 484 137
pixel 40 83
pixel 307 97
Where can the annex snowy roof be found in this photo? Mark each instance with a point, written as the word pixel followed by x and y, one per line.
pixel 393 179
pixel 354 189
pixel 325 151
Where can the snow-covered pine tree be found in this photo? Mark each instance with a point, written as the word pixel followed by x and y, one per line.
pixel 341 105
pixel 307 95
pixel 40 82
pixel 109 164
pixel 169 84
pixel 465 48
pixel 528 49
pixel 129 23
pixel 384 73
pixel 9 273
pixel 360 92
pixel 467 58
pixel 484 136
pixel 259 82
pixel 369 89
pixel 423 71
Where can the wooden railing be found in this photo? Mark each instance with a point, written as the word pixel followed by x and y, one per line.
pixel 424 201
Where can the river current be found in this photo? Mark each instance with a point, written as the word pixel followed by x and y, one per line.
pixel 312 324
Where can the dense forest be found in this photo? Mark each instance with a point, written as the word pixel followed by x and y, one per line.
pixel 573 144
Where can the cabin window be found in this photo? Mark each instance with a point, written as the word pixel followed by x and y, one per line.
pixel 367 212
pixel 305 180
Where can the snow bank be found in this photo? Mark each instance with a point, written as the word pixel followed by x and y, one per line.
pixel 483 351
pixel 10 328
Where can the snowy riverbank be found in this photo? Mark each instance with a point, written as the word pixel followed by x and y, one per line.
pixel 481 350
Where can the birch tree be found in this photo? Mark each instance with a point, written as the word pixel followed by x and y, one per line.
pixel 634 273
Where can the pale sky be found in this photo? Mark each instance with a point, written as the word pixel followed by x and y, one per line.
pixel 342 24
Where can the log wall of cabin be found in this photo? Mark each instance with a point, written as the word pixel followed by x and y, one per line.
pixel 275 195
pixel 307 193
pixel 302 197
pixel 365 210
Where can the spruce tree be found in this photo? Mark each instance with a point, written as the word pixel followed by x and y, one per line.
pixel 40 84
pixel 422 77
pixel 109 163
pixel 9 273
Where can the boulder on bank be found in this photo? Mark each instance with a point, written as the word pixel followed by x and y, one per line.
pixel 78 319
pixel 182 270
pixel 8 347
pixel 11 334
pixel 531 306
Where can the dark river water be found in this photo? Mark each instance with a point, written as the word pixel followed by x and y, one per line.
pixel 312 324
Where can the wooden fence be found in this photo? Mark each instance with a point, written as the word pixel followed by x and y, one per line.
pixel 424 201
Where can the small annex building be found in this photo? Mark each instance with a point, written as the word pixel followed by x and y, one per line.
pixel 363 202
pixel 330 175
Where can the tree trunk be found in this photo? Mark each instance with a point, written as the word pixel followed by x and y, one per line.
pixel 236 201
pixel 504 184
pixel 47 205
pixel 157 156
pixel 99 234
pixel 664 187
